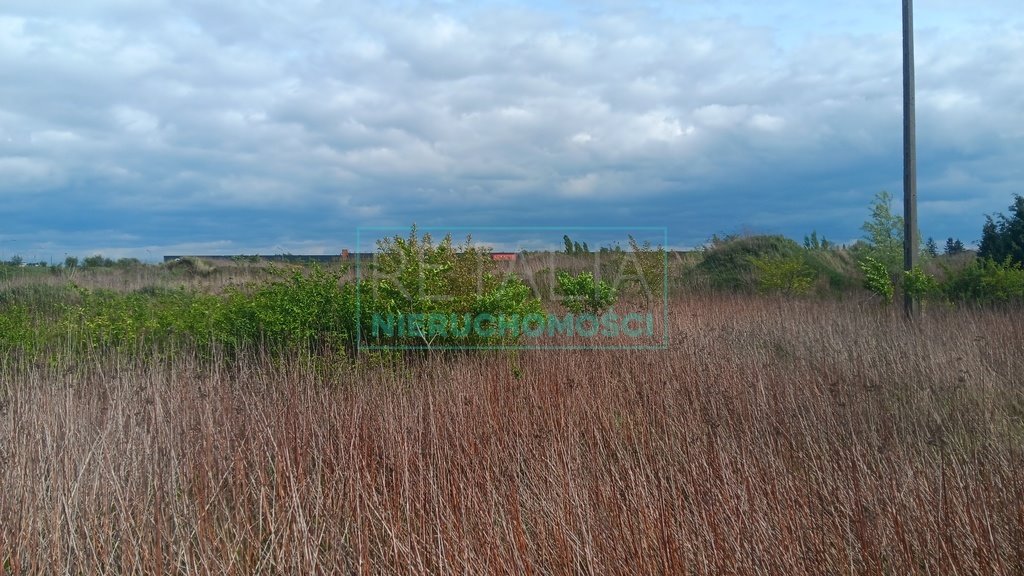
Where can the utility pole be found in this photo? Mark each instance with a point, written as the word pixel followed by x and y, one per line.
pixel 910 240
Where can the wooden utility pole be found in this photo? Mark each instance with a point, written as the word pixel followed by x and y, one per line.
pixel 910 240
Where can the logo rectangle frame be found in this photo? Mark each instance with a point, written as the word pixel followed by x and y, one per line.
pixel 661 231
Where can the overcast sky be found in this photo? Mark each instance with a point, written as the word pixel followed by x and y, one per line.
pixel 144 127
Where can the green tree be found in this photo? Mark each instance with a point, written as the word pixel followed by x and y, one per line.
pixel 1003 237
pixel 812 242
pixel 931 248
pixel 568 244
pixel 97 261
pixel 884 235
pixel 954 247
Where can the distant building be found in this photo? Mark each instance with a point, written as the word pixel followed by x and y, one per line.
pixel 345 256
pixel 292 258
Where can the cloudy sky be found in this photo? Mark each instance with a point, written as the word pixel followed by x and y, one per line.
pixel 144 127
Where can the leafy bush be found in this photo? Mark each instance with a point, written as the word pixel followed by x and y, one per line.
pixel 986 281
pixel 296 309
pixel 877 278
pixel 309 310
pixel 142 319
pixel 16 330
pixel 435 290
pixel 129 263
pixel 97 261
pixel 786 275
pixel 581 293
pixel 650 264
pixel 919 284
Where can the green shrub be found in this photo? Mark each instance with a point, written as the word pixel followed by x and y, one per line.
pixel 16 330
pixel 877 278
pixel 434 290
pixel 309 310
pixel 986 281
pixel 141 319
pixel 97 261
pixel 919 284
pixel 581 293
pixel 296 309
pixel 650 263
pixel 129 263
pixel 784 275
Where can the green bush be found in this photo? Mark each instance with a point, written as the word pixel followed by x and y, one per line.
pixel 581 293
pixel 650 263
pixel 784 275
pixel 310 310
pixel 142 319
pixel 97 261
pixel 919 284
pixel 435 290
pixel 986 281
pixel 877 278
pixel 16 330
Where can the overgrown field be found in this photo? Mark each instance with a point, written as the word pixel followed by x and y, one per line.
pixel 775 436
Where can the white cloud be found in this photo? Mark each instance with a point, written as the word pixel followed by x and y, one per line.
pixel 720 116
pixel 581 138
pixel 767 122
pixel 22 174
pixel 581 186
pixel 423 106
pixel 54 137
pixel 135 121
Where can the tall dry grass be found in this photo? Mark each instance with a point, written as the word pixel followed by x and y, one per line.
pixel 773 437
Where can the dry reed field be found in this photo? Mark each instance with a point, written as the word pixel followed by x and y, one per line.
pixel 773 437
